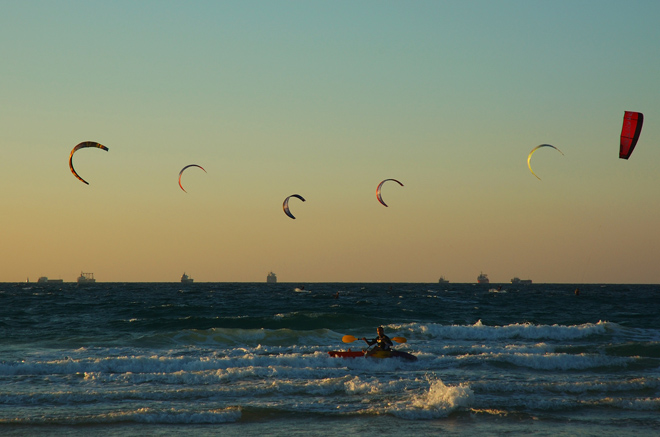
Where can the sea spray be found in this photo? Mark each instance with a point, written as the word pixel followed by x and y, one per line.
pixel 438 400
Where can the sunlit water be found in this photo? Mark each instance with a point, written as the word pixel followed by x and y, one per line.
pixel 251 359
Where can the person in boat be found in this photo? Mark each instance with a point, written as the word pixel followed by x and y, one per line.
pixel 382 342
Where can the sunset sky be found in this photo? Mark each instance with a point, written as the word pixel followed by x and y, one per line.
pixel 325 99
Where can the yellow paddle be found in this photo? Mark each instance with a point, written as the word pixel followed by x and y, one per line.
pixel 351 339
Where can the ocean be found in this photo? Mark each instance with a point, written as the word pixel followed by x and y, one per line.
pixel 252 359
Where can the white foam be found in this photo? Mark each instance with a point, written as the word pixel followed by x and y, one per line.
pixel 253 337
pixel 644 404
pixel 572 388
pixel 140 415
pixel 528 331
pixel 556 361
pixel 439 401
pixel 174 416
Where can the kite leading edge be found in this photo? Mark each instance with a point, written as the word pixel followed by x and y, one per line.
pixel 83 145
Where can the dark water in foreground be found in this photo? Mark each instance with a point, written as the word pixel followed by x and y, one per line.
pixel 250 359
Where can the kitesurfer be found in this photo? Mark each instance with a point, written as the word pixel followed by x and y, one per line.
pixel 382 342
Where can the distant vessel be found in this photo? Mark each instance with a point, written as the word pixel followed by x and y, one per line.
pixel 517 280
pixel 271 278
pixel 483 279
pixel 442 280
pixel 45 280
pixel 185 279
pixel 86 278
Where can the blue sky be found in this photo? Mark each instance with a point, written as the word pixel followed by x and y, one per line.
pixel 326 99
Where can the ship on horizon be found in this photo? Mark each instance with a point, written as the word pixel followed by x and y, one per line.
pixel 483 279
pixel 45 280
pixel 443 280
pixel 86 278
pixel 271 278
pixel 517 280
pixel 185 279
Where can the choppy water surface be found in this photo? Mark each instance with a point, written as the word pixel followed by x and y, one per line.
pixel 252 359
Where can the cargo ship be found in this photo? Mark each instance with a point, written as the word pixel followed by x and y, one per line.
pixel 443 280
pixel 519 281
pixel 483 279
pixel 45 280
pixel 271 278
pixel 185 279
pixel 86 278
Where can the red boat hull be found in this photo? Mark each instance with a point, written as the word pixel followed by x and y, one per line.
pixel 375 354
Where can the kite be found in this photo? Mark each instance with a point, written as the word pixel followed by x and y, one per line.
pixel 83 145
pixel 181 172
pixel 529 157
pixel 285 205
pixel 378 196
pixel 632 127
